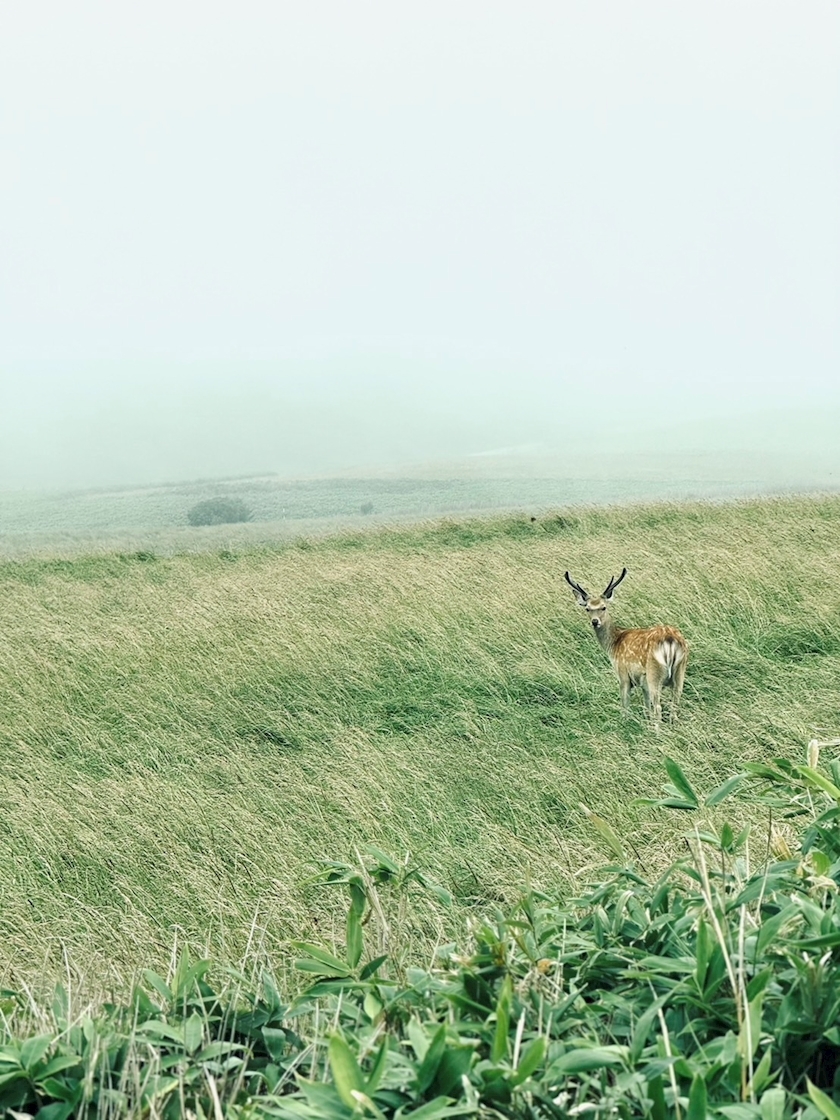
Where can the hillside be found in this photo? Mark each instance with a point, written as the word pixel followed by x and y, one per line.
pixel 184 738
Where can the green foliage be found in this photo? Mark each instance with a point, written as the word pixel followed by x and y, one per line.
pixel 713 990
pixel 218 511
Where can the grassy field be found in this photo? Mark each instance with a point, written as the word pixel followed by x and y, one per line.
pixel 129 518
pixel 183 738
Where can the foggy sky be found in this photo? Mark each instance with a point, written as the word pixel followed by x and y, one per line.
pixel 288 236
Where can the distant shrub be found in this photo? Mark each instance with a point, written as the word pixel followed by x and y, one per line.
pixel 219 511
pixel 366 508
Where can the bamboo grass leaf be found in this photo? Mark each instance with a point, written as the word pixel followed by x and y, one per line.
pixel 823 1102
pixel 347 1076
pixel 322 962
pixel 697 1099
pixel 607 832
pixel 33 1050
pixel 682 783
pixel 583 1060
pixel 529 1063
pixel 431 1059
pixel 722 791
pixel 501 1036
pixel 772 1104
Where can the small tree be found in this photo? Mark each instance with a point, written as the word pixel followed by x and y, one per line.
pixel 366 508
pixel 219 511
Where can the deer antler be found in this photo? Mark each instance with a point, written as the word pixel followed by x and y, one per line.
pixel 576 587
pixel 613 584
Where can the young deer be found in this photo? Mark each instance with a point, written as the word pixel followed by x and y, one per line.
pixel 653 658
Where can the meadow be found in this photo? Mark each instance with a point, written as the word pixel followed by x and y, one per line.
pixel 184 739
pixel 79 522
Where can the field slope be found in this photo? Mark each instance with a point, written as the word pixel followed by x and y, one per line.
pixel 182 739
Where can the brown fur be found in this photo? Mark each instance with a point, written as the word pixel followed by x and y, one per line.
pixel 653 658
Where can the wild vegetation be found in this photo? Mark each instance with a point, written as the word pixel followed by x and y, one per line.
pixel 184 741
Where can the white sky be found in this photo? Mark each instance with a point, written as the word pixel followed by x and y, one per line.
pixel 457 208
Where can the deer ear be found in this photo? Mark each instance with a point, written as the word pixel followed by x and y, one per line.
pixel 580 594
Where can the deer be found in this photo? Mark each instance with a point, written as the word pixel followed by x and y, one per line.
pixel 653 657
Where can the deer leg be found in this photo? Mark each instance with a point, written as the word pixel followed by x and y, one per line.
pixel 679 678
pixel 626 684
pixel 653 695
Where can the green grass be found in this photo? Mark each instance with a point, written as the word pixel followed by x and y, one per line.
pixel 182 739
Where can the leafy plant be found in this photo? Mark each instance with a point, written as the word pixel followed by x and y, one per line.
pixel 713 990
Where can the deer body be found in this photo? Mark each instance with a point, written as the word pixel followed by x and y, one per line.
pixel 652 658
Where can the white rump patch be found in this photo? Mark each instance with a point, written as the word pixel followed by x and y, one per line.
pixel 668 654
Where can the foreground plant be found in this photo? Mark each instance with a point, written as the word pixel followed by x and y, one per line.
pixel 712 991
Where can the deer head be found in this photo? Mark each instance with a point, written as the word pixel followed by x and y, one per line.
pixel 596 605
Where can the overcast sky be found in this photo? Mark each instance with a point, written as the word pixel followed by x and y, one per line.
pixel 300 235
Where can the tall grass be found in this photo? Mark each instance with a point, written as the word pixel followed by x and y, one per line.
pixel 183 739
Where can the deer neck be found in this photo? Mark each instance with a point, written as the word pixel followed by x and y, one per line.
pixel 608 634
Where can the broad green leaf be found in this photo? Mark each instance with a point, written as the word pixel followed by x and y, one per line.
pixel 275 1042
pixel 158 1087
pixel 762 1074
pixel 372 966
pixel 418 1038
pixel 436 1110
pixel 379 1066
pixel 579 1061
pixel 58 1110
pixel 722 791
pixel 158 983
pixel 772 1104
pixel 345 1070
pixel 323 1102
pixel 823 1102
pixel 770 926
pixel 656 1092
pixel 331 965
pixel 750 1034
pixel 431 1059
pixel 372 1006
pixel 441 893
pixel 59 1063
pixel 501 1038
pixel 14 1075
pixel 355 937
pixel 681 782
pixel 455 1062
pixel 385 860
pixel 530 1061
pixel 339 968
pixel 33 1050
pixel 642 1030
pixel 159 1029
pixel 819 861
pixel 193 1033
pixel 61 1090
pixel 703 953
pixel 697 1106
pixel 815 778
